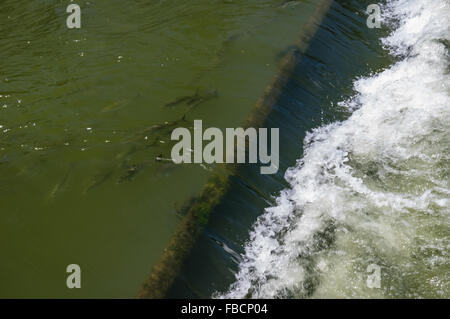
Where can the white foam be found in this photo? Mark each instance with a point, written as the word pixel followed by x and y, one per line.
pixel 373 188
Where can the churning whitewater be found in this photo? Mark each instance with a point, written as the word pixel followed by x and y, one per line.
pixel 371 190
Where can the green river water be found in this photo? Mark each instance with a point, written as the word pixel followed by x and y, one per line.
pixel 79 180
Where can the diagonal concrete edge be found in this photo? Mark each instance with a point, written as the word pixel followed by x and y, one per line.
pixel 198 209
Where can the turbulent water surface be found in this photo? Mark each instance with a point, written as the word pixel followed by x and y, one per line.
pixel 370 193
pixel 372 189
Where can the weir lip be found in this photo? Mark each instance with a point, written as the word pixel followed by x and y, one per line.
pixel 199 208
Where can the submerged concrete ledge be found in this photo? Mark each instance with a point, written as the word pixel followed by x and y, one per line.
pixel 198 209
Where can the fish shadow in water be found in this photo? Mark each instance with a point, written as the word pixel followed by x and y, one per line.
pixel 193 100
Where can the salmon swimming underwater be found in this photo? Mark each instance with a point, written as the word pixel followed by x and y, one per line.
pixel 98 180
pixel 193 100
pixel 166 126
pixel 59 187
pixel 154 136
pixel 144 149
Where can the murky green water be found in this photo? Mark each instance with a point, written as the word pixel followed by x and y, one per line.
pixel 85 113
